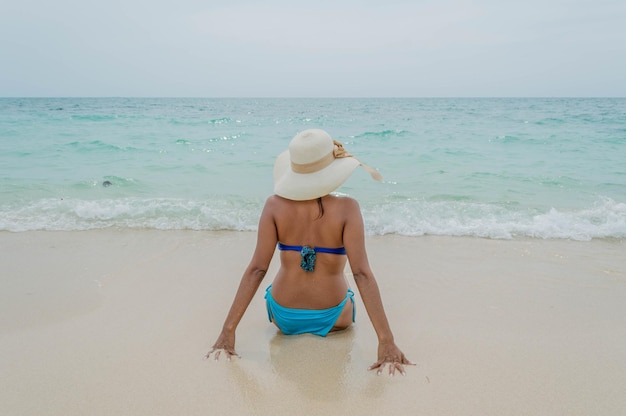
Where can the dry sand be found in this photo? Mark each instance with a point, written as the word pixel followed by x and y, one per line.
pixel 116 322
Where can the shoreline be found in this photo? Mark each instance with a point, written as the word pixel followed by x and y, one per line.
pixel 117 321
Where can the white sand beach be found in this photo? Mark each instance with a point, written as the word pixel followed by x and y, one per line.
pixel 116 322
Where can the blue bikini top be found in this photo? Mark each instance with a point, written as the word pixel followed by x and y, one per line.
pixel 308 254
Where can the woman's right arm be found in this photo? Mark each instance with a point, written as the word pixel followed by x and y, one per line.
pixel 250 282
pixel 354 241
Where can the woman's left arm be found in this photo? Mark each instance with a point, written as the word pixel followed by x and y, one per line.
pixel 250 282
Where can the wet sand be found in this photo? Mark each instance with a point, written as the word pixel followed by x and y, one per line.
pixel 118 321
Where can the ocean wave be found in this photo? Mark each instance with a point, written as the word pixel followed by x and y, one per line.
pixel 222 120
pixel 382 134
pixel 97 146
pixel 550 121
pixel 161 213
pixel 606 219
pixel 94 117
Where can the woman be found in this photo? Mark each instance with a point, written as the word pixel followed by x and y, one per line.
pixel 316 234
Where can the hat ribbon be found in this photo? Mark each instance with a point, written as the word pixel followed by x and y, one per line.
pixel 338 153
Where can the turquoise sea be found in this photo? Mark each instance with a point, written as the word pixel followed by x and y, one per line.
pixel 496 168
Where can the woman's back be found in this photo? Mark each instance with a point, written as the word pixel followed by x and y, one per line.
pixel 314 223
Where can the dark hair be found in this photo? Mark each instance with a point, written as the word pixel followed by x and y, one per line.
pixel 321 206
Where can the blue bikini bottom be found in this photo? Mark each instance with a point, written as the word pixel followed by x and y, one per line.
pixel 299 321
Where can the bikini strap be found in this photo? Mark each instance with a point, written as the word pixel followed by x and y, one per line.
pixel 338 250
pixel 282 246
pixel 308 254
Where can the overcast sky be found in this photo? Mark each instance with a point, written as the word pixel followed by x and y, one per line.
pixel 388 48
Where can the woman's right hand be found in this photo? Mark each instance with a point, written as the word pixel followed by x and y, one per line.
pixel 389 354
pixel 226 343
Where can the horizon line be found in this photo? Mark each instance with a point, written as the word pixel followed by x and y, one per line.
pixel 313 97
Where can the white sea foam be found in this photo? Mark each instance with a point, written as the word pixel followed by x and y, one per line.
pixel 607 219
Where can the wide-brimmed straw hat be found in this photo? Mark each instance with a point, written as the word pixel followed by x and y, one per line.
pixel 314 166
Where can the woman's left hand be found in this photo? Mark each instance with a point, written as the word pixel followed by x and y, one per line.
pixel 389 353
pixel 226 343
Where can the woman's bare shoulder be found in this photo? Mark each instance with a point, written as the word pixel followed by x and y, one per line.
pixel 277 205
pixel 275 200
pixel 345 202
pixel 272 199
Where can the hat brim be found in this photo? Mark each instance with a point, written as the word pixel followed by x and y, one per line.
pixel 302 187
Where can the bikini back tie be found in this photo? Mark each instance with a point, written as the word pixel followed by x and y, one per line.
pixel 308 254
